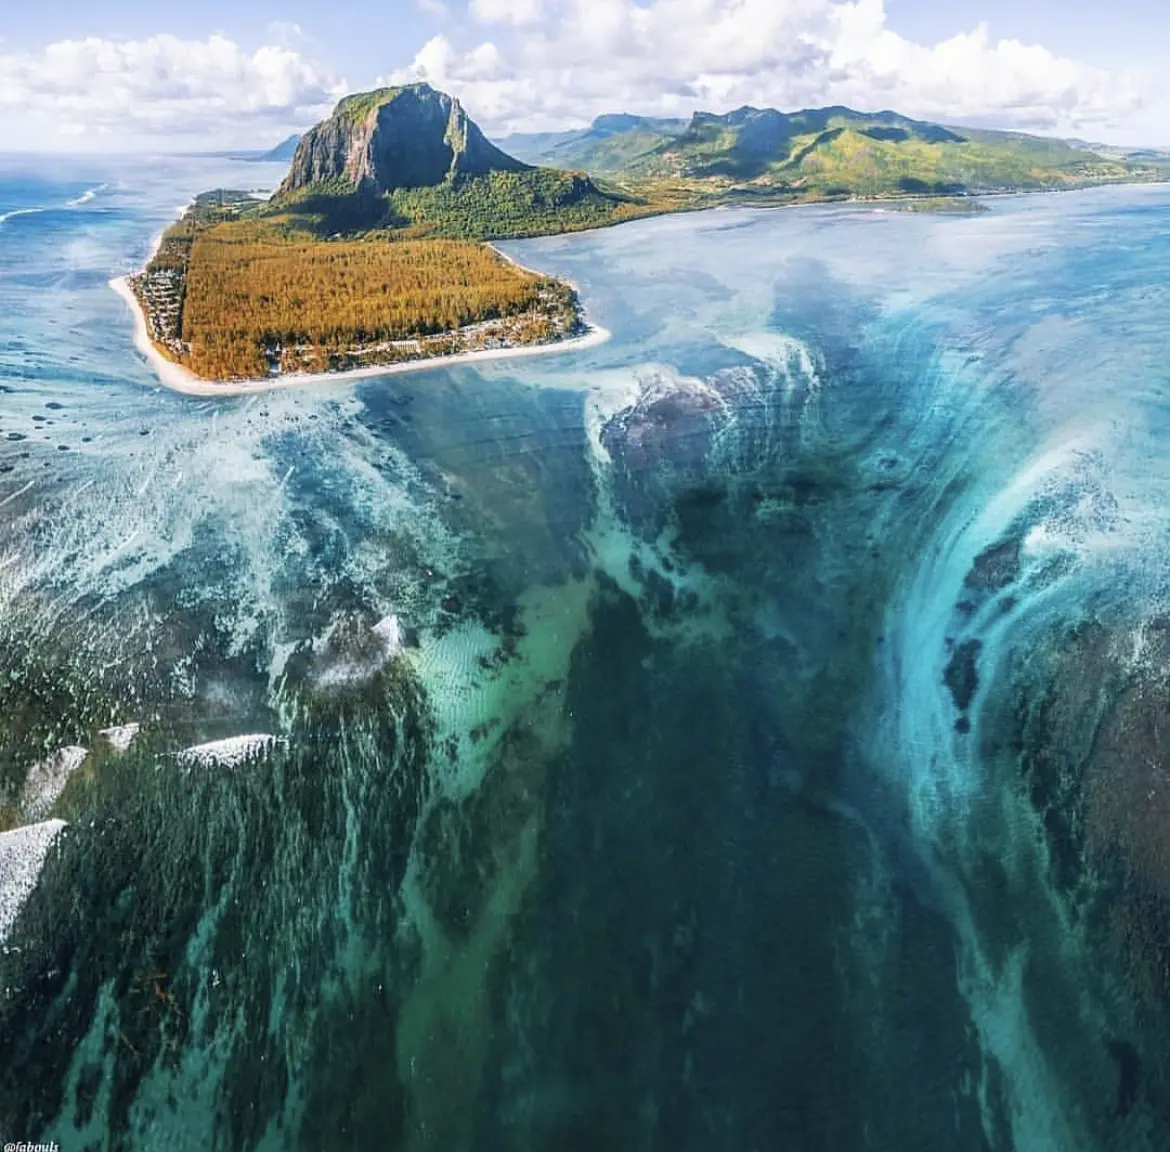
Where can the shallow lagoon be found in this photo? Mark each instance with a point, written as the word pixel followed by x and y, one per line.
pixel 767 752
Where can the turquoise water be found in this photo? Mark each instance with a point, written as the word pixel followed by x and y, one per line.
pixel 751 733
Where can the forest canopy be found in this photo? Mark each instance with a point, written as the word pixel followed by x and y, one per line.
pixel 245 298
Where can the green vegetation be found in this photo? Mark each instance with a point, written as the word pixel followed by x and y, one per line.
pixel 941 206
pixel 495 206
pixel 363 255
pixel 251 299
pixel 357 107
pixel 422 165
pixel 610 146
pixel 209 208
pixel 255 301
pixel 761 155
pixel 502 204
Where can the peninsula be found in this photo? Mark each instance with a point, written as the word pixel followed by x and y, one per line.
pixel 371 256
pixel 374 254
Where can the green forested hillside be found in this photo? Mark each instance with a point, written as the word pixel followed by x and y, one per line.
pixel 828 153
pixel 530 202
pixel 410 157
pixel 611 144
pixel 232 294
pixel 503 204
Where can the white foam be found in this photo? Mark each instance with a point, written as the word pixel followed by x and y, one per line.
pixel 46 780
pixel 782 352
pixel 120 738
pixel 232 752
pixel 22 856
pixel 16 494
pixel 86 196
pixel 353 670
pixel 389 633
pixel 795 379
pixel 6 216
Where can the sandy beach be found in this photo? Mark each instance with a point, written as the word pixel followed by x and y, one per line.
pixel 181 379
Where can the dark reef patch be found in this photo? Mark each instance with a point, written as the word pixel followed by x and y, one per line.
pixel 962 673
pixel 996 567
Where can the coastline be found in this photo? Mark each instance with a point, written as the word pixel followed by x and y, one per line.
pixel 180 379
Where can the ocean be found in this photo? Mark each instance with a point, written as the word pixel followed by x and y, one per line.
pixel 751 733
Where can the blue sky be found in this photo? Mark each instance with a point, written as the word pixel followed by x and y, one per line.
pixel 138 74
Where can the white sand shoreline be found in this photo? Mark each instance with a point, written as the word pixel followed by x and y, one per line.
pixel 180 379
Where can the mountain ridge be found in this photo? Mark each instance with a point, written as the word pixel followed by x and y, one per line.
pixel 825 153
pixel 285 150
pixel 411 157
pixel 391 190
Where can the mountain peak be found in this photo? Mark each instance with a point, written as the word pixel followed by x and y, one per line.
pixel 358 105
pixel 412 136
pixel 285 150
pixel 617 122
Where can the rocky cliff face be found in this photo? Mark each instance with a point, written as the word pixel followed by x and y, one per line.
pixel 409 137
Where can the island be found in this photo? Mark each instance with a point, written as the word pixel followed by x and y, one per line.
pixel 230 299
pixel 371 256
pixel 375 254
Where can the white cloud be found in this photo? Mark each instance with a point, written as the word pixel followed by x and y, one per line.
pixel 506 11
pixel 211 90
pixel 553 63
pixel 569 60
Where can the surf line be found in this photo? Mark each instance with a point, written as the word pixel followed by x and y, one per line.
pixel 6 216
pixel 9 499
pixel 86 196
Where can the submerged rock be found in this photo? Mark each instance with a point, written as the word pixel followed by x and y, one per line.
pixel 46 780
pixel 22 856
pixel 353 653
pixel 995 567
pixel 1096 756
pixel 1129 1075
pixel 389 633
pixel 232 752
pixel 962 674
pixel 120 738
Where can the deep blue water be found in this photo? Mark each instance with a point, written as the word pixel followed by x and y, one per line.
pixel 771 747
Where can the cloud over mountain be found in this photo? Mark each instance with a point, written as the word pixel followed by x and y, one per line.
pixel 163 86
pixel 530 64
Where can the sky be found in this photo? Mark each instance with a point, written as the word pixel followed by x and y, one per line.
pixel 137 75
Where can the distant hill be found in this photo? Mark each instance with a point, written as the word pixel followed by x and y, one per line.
pixel 610 144
pixel 285 150
pixel 1156 156
pixel 411 156
pixel 764 154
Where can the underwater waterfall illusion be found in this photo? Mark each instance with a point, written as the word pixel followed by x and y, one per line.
pixel 753 733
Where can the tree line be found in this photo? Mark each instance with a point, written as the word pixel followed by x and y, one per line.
pixel 252 294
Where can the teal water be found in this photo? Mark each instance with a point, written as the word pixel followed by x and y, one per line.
pixel 750 734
